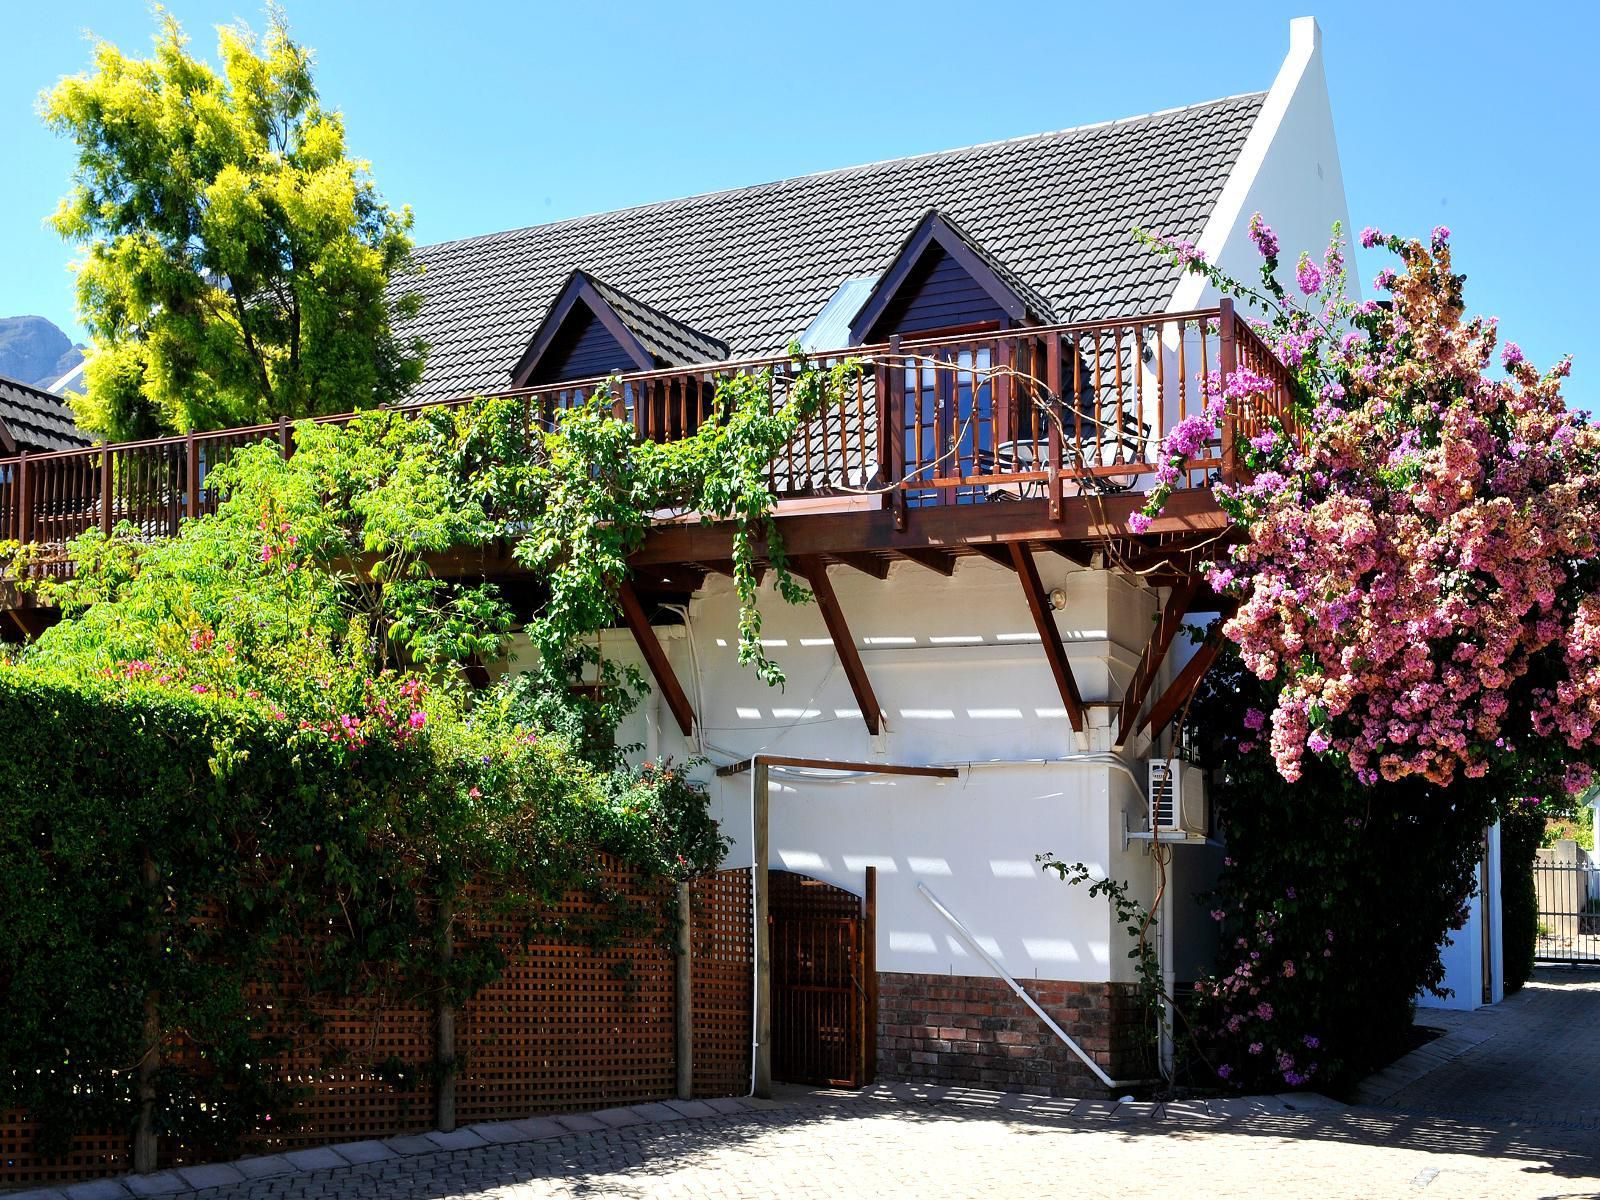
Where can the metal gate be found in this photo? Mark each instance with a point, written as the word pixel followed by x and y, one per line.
pixel 1569 911
pixel 821 997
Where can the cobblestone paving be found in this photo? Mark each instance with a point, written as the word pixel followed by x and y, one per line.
pixel 1536 1057
pixel 1541 1140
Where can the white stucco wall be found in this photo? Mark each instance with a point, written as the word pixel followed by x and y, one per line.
pixel 957 665
pixel 1288 171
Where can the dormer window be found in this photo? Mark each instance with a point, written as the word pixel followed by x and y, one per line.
pixel 592 330
pixel 941 281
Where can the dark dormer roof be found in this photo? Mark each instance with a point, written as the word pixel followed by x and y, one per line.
pixel 644 336
pixel 938 234
pixel 35 420
pixel 754 267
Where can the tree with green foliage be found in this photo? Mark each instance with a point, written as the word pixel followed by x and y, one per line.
pixel 236 259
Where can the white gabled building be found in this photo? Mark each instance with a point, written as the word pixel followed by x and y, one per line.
pixel 990 607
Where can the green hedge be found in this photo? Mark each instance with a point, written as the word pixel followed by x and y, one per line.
pixel 129 811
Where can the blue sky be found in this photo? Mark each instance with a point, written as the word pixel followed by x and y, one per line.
pixel 486 116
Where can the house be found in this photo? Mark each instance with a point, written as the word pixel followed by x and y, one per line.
pixel 992 668
pixel 1013 660
pixel 35 421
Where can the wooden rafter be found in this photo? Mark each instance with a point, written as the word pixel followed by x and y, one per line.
pixel 1000 555
pixel 1155 651
pixel 940 561
pixel 867 564
pixel 1079 555
pixel 660 666
pixel 816 574
pixel 1182 687
pixel 1055 651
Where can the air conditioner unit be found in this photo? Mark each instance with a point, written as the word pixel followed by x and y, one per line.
pixel 1177 798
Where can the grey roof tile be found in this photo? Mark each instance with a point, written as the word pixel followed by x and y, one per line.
pixel 40 421
pixel 750 268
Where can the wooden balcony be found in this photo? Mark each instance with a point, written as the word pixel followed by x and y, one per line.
pixel 1036 429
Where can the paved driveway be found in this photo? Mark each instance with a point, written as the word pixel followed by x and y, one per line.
pixel 1504 1110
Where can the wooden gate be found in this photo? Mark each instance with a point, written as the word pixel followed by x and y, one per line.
pixel 823 994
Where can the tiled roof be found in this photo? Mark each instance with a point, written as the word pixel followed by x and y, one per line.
pixel 671 341
pixel 752 267
pixel 37 420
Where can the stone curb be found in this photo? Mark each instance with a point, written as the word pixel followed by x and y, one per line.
pixel 185 1180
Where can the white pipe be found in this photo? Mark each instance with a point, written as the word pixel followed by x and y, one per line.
pixel 755 961
pixel 1023 995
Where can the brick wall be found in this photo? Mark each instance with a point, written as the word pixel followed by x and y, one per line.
pixel 976 1031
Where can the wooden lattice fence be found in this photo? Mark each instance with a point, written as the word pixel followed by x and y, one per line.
pixel 565 1028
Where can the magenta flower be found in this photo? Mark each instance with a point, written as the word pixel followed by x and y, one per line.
pixel 1307 276
pixel 1261 234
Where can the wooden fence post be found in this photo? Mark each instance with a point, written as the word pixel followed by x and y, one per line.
pixel 869 971
pixel 684 1006
pixel 445 1026
pixel 144 1134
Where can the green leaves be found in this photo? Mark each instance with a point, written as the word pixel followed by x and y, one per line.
pixel 236 260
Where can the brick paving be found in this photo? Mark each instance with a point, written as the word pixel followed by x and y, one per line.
pixel 1507 1110
pixel 1533 1058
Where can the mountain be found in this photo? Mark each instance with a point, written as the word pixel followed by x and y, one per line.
pixel 34 351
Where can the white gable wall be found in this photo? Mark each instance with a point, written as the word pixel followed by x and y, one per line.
pixel 1288 171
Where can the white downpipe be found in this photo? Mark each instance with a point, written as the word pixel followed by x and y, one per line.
pixel 755 961
pixel 1023 995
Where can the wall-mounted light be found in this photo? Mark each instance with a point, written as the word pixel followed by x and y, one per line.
pixel 1058 599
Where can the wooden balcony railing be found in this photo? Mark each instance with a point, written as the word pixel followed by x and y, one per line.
pixel 1041 413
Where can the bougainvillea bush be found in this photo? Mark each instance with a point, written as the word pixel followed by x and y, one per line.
pixel 1417 587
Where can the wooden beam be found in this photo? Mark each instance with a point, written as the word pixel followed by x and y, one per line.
pixel 1168 622
pixel 1044 620
pixel 867 564
pixel 833 764
pixel 660 666
pixel 943 562
pixel 816 575
pixel 947 527
pixel 1180 689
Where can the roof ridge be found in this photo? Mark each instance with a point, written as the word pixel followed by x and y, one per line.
pixel 837 171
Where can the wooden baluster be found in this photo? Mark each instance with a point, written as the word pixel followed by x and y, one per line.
pixel 285 437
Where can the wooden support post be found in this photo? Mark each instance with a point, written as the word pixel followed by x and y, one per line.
pixel 1227 360
pixel 683 1008
pixel 1181 688
pixel 660 666
pixel 445 1027
pixel 1052 380
pixel 1155 651
pixel 144 1133
pixel 191 468
pixel 895 414
pixel 105 490
pixel 844 643
pixel 285 437
pixel 1045 622
pixel 24 500
pixel 763 997
pixel 869 969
